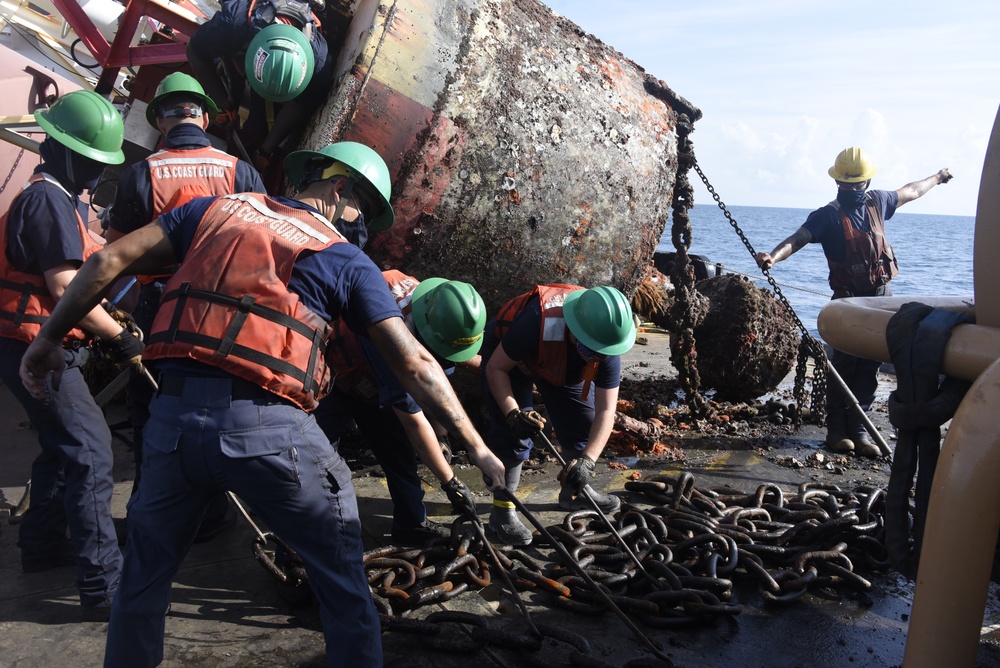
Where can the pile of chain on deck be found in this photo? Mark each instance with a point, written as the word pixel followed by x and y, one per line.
pixel 704 554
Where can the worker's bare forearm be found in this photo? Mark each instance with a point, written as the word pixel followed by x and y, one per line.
pixel 918 189
pixel 423 378
pixel 80 298
pixel 785 249
pixel 425 443
pixel 606 401
pixel 791 245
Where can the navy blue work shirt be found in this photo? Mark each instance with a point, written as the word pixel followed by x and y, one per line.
pixel 228 34
pixel 825 226
pixel 133 207
pixel 42 229
pixel 520 342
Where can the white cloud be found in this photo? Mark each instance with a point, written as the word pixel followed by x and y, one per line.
pixel 784 86
pixel 743 137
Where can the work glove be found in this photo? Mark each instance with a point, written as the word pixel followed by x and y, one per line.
pixel 123 318
pixel 577 474
pixel 124 349
pixel 445 445
pixel 525 424
pixel 228 121
pixel 462 501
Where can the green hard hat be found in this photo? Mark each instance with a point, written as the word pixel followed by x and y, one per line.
pixel 363 163
pixel 179 82
pixel 601 319
pixel 450 317
pixel 279 62
pixel 85 123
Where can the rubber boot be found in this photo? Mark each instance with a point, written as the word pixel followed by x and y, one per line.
pixel 608 503
pixel 863 444
pixel 504 523
pixel 837 438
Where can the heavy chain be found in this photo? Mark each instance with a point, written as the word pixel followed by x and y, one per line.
pixel 809 347
pixel 683 347
pixel 696 545
pixel 13 169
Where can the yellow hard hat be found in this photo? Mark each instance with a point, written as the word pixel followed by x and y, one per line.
pixel 852 166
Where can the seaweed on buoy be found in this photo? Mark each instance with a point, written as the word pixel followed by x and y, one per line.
pixel 747 343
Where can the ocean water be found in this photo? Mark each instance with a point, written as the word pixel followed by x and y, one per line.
pixel 934 253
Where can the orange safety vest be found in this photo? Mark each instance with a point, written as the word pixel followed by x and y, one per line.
pixel 25 302
pixel 401 286
pixel 869 261
pixel 345 355
pixel 550 365
pixel 178 176
pixel 228 305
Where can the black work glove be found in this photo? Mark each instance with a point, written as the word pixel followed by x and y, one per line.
pixel 124 349
pixel 577 474
pixel 525 424
pixel 462 501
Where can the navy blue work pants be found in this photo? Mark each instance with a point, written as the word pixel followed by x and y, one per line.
pixel 388 442
pixel 861 377
pixel 276 459
pixel 140 390
pixel 71 482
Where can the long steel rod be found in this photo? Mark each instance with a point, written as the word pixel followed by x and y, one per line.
pixel 478 524
pixel 607 520
pixel 856 407
pixel 561 549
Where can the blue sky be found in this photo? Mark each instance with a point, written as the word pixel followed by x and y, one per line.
pixel 785 85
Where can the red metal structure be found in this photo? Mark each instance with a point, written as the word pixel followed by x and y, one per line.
pixel 112 56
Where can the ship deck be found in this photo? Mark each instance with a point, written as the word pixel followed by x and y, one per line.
pixel 226 609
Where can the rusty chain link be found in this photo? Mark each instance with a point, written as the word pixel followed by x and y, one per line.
pixel 683 351
pixel 809 347
pixel 699 544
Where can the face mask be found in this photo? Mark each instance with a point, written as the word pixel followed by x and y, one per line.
pixel 356 232
pixel 851 199
pixel 587 354
pixel 84 172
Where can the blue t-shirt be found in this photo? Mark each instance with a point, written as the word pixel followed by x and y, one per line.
pixel 826 229
pixel 337 282
pixel 520 342
pixel 133 207
pixel 42 228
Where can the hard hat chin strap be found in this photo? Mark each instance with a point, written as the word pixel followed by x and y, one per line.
pixel 344 196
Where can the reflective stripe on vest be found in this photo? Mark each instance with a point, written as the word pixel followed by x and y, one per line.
pixel 229 306
pixel 401 286
pixel 178 176
pixel 550 365
pixel 25 303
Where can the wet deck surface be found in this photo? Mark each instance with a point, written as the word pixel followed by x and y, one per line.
pixel 226 609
